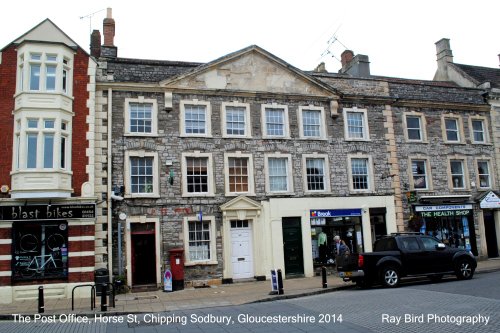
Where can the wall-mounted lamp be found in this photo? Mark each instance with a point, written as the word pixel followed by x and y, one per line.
pixel 167 109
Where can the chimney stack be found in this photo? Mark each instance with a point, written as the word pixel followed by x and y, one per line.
pixel 95 44
pixel 444 56
pixel 108 49
pixel 354 65
pixel 109 29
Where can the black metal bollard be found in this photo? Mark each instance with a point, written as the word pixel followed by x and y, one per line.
pixel 104 291
pixel 323 276
pixel 280 283
pixel 41 303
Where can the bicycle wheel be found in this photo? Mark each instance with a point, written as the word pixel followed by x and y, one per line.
pixel 28 243
pixel 55 241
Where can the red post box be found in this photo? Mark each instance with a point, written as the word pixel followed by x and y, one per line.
pixel 177 268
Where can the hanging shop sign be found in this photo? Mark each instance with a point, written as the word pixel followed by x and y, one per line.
pixel 335 212
pixel 491 200
pixel 47 212
pixel 444 210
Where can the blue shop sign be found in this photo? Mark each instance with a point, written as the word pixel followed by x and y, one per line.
pixel 335 212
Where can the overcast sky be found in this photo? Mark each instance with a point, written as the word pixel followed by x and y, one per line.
pixel 397 35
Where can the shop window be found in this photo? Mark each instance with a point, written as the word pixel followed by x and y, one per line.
pixel 40 250
pixel 323 231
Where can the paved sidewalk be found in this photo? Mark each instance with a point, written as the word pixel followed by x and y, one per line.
pixel 223 295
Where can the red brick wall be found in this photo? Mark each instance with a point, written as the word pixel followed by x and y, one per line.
pixel 80 127
pixel 7 91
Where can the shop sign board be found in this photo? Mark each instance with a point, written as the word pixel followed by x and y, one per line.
pixel 491 200
pixel 335 212
pixel 444 210
pixel 47 212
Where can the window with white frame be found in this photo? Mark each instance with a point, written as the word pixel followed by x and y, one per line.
pixel 457 173
pixel 316 173
pixel 236 120
pixel 275 121
pixel 141 116
pixel 41 142
pixel 478 131
pixel 360 174
pixel 452 129
pixel 47 69
pixel 420 179
pixel 356 124
pixel 312 122
pixel 195 118
pixel 414 129
pixel 142 175
pixel 200 240
pixel 279 177
pixel 197 174
pixel 239 173
pixel 483 173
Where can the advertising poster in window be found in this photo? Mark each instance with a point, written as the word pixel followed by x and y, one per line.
pixel 40 250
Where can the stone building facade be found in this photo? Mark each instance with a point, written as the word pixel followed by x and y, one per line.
pixel 248 164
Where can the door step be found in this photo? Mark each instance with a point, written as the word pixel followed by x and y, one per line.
pixel 144 288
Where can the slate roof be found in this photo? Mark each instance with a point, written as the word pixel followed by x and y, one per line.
pixel 147 71
pixel 481 74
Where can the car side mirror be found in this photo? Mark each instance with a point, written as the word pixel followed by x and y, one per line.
pixel 440 246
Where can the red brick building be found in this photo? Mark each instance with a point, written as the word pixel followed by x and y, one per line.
pixel 47 202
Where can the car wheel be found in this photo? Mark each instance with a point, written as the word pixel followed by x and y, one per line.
pixel 390 277
pixel 464 269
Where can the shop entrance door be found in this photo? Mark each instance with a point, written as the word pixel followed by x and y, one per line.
pixel 143 254
pixel 292 246
pixel 490 233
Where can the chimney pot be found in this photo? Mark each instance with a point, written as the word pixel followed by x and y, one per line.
pixel 109 29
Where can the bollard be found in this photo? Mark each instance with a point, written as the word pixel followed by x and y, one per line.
pixel 41 303
pixel 323 275
pixel 280 283
pixel 104 291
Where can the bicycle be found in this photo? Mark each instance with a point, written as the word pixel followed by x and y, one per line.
pixel 42 264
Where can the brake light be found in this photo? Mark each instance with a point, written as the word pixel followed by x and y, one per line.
pixel 361 261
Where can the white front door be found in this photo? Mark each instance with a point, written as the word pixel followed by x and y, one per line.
pixel 241 249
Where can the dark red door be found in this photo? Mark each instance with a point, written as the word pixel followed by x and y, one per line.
pixel 143 256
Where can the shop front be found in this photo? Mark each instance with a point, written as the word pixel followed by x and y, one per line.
pixel 452 224
pixel 314 223
pixel 489 224
pixel 49 245
pixel 326 224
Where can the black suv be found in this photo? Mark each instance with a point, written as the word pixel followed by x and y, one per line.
pixel 405 254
